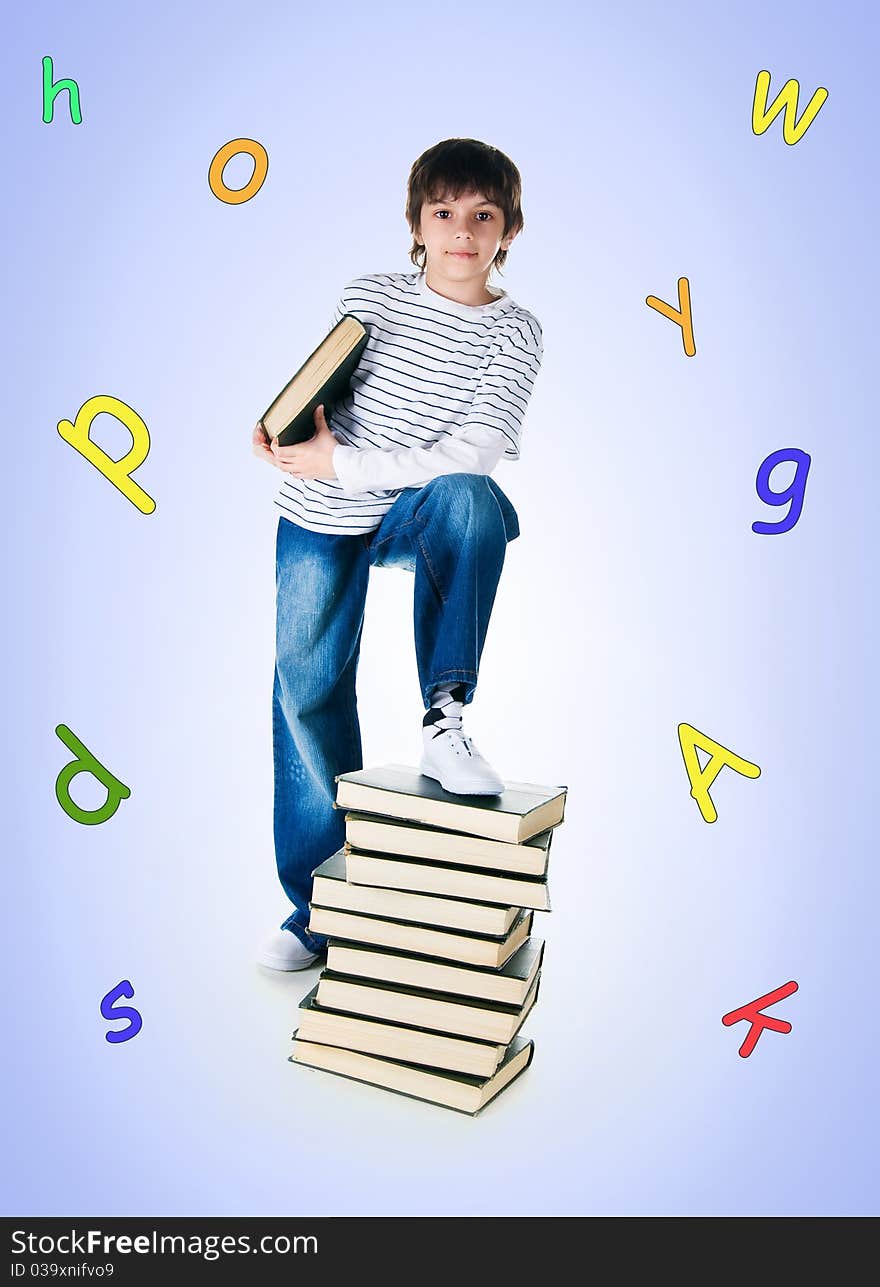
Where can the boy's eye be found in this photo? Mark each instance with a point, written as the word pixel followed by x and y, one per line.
pixel 487 213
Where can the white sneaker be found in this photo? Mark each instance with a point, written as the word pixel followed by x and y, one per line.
pixel 284 951
pixel 451 759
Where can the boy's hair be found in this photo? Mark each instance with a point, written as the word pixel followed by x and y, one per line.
pixel 456 166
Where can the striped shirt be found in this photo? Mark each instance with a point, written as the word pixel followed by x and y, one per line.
pixel 441 388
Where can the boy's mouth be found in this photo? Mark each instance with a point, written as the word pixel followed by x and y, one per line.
pixel 461 254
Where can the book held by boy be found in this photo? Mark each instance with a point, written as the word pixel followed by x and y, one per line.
pixel 324 377
pixel 398 791
pixel 448 1089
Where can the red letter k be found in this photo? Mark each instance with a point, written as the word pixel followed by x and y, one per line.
pixel 759 1021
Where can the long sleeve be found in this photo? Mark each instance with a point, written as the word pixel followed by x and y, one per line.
pixel 489 431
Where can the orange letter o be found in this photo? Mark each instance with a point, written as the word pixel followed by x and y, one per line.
pixel 236 196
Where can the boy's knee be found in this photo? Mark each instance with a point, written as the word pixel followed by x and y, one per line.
pixel 466 501
pixel 470 486
pixel 307 695
pixel 314 671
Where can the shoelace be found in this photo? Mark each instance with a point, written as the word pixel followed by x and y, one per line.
pixel 458 736
pixel 450 722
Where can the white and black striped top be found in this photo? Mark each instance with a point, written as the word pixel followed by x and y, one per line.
pixel 441 388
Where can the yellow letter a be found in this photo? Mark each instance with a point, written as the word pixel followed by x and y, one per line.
pixel 689 739
pixel 787 100
pixel 117 471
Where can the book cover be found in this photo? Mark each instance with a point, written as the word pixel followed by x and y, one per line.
pixel 466 1094
pixel 394 790
pixel 324 377
pixel 332 888
pixel 509 984
pixel 446 880
pixel 375 1036
pixel 424 1009
pixel 472 949
pixel 419 840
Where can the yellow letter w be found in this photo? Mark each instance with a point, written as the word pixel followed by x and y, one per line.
pixel 786 100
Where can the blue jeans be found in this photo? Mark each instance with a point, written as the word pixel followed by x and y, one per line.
pixel 452 533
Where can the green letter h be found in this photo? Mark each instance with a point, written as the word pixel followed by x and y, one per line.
pixel 52 88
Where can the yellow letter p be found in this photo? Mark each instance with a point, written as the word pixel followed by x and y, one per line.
pixel 117 471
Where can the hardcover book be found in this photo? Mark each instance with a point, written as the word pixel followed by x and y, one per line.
pixel 391 836
pixel 397 791
pixel 330 888
pixel 470 949
pixel 420 1008
pixel 324 377
pixel 447 1089
pixel 453 882
pixel 509 984
pixel 392 1041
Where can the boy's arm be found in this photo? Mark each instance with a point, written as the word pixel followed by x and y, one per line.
pixel 491 429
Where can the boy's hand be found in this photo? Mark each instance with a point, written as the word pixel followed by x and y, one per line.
pixel 312 459
pixel 260 440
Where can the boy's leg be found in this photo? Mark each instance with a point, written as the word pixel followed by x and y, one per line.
pixel 452 533
pixel 321 590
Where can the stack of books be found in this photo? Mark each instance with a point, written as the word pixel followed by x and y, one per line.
pixel 431 964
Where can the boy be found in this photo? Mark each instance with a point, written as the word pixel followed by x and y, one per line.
pixel 400 477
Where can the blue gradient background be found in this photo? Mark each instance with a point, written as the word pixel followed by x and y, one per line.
pixel 637 598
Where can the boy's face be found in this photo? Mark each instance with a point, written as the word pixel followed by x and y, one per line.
pixel 462 236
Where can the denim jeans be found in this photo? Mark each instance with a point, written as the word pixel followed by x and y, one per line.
pixel 452 533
